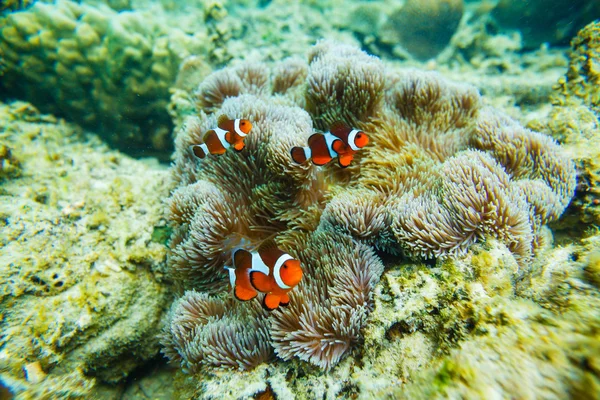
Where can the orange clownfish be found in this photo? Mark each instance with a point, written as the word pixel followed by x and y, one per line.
pixel 341 141
pixel 229 132
pixel 267 270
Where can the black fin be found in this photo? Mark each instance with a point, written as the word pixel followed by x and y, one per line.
pixel 222 119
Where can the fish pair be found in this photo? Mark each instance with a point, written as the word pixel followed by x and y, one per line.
pixel 267 270
pixel 342 141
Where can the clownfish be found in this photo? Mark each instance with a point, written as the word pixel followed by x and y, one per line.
pixel 229 132
pixel 267 270
pixel 342 141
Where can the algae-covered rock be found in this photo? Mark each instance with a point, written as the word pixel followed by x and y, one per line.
pixel 574 121
pixel 104 70
pixel 582 80
pixel 578 128
pixel 81 291
pixel 469 329
pixel 423 28
pixel 542 21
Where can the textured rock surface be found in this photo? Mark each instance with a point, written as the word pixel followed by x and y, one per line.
pixel 582 80
pixel 104 70
pixel 80 267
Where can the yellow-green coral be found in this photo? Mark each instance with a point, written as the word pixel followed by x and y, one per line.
pixel 79 271
pixel 582 80
pixel 472 329
pixel 105 70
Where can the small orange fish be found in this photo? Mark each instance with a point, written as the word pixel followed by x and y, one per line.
pixel 267 270
pixel 342 141
pixel 229 132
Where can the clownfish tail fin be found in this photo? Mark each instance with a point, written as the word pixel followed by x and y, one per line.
pixel 300 154
pixel 199 150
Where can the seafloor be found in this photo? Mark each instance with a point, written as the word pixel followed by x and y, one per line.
pixel 92 95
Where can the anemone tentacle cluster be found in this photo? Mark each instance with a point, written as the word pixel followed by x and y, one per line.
pixel 441 172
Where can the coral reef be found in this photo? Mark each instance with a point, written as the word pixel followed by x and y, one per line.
pixel 470 328
pixel 465 328
pixel 112 71
pixel 220 333
pixel 577 127
pixel 422 28
pixel 105 70
pixel 444 177
pixel 80 269
pixel 443 188
pixel 573 121
pixel 441 173
pixel 582 80
pixel 539 22
pixel 13 5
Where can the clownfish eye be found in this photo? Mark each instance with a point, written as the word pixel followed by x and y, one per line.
pixel 243 123
pixel 284 266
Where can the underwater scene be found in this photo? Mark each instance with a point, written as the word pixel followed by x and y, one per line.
pixel 311 199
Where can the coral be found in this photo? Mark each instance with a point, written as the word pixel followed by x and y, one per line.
pixel 423 28
pixel 573 120
pixel 582 80
pixel 470 328
pixel 15 4
pixel 441 173
pixel 10 166
pixel 327 312
pixel 81 296
pixel 105 70
pixel 539 22
pixel 577 127
pixel 444 194
pixel 220 333
pixel 354 101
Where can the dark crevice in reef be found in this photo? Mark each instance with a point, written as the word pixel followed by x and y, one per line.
pixel 152 380
pixel 138 138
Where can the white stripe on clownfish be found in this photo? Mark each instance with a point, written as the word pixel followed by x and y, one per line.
pixel 203 146
pixel 277 270
pixel 236 126
pixel 221 135
pixel 258 264
pixel 351 137
pixel 231 276
pixel 329 139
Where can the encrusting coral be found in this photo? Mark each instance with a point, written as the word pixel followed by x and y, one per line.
pixel 105 70
pixel 440 173
pixel 582 80
pixel 574 121
pixel 80 266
